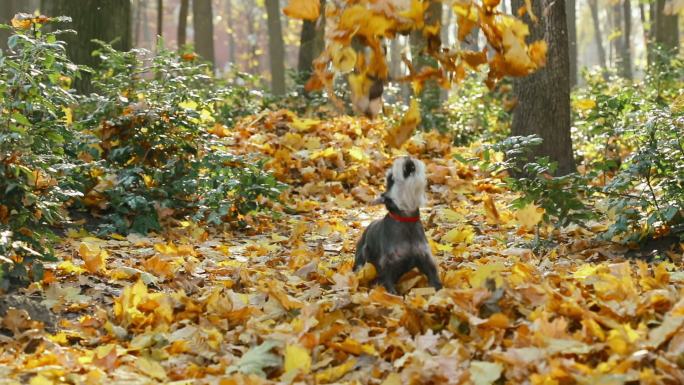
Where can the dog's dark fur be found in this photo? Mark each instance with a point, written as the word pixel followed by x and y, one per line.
pixel 395 247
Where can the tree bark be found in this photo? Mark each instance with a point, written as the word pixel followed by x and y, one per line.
pixel 430 95
pixel 160 19
pixel 276 47
pixel 645 18
pixel 570 13
pixel 627 39
pixel 311 43
pixel 665 27
pixel 183 23
pixel 231 31
pixel 203 22
pixel 544 97
pixel 7 11
pixel 593 7
pixel 106 20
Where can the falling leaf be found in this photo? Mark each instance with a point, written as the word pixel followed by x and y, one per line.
pixel 399 134
pixel 302 9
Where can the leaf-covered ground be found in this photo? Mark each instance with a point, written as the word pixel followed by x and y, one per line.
pixel 279 302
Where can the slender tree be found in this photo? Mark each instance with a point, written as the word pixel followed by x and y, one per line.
pixel 570 13
pixel 544 97
pixel 160 18
pixel 276 47
pixel 106 20
pixel 203 22
pixel 231 31
pixel 598 39
pixel 183 23
pixel 627 39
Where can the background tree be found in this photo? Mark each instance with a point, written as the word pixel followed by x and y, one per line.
pixel 664 26
pixel 276 47
pixel 627 39
pixel 9 8
pixel 571 16
pixel 203 22
pixel 544 97
pixel 593 7
pixel 183 23
pixel 106 20
pixel 160 18
pixel 430 95
pixel 311 42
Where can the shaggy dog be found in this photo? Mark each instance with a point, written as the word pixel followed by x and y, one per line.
pixel 396 243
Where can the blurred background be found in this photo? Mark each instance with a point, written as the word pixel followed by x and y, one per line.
pixel 612 34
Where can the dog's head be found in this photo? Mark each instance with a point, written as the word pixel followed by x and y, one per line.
pixel 405 186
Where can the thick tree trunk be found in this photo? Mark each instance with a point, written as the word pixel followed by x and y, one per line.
pixel 627 39
pixel 570 13
pixel 160 19
pixel 203 22
pixel 665 27
pixel 106 20
pixel 311 43
pixel 593 7
pixel 544 97
pixel 395 58
pixel 183 23
pixel 276 47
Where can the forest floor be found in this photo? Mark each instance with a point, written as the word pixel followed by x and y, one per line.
pixel 279 302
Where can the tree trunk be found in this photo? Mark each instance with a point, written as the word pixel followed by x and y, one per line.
pixel 311 43
pixel 203 21
pixel 666 29
pixel 544 97
pixel 231 31
pixel 616 45
pixel 7 11
pixel 627 39
pixel 395 58
pixel 160 19
pixel 570 13
pixel 276 47
pixel 593 7
pixel 643 13
pixel 106 20
pixel 430 95
pixel 183 23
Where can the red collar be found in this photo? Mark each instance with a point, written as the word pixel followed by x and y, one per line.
pixel 399 218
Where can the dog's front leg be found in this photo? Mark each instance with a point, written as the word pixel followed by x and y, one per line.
pixel 427 266
pixel 361 256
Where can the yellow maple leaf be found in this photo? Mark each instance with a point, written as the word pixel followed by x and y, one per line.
pixel 464 234
pixel 297 358
pixel 93 256
pixel 150 368
pixel 584 104
pixel 334 373
pixel 529 216
pixel 303 9
pixel 399 134
pixel 344 59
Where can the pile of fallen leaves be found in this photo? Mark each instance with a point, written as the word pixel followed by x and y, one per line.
pixel 283 305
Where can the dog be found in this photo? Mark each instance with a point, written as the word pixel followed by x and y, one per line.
pixel 396 243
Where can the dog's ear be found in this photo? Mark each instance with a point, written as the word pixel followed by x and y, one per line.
pixel 381 200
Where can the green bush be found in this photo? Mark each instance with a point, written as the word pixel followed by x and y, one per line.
pixel 35 114
pixel 152 151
